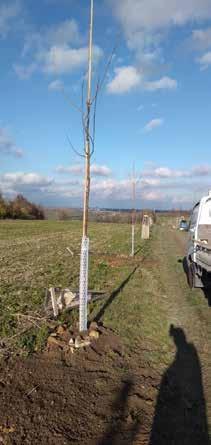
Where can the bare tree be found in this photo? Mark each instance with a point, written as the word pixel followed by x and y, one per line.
pixel 83 291
pixel 133 219
pixel 88 118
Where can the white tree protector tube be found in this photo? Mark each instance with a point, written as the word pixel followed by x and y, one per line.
pixel 83 289
pixel 133 241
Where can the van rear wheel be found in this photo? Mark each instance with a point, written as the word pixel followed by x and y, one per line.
pixel 190 275
pixel 207 293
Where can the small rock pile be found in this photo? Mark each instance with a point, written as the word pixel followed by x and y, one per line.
pixel 70 339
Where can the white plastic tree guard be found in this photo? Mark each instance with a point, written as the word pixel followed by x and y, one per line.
pixel 145 227
pixel 133 240
pixel 83 288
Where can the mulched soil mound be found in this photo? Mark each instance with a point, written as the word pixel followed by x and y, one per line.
pixel 87 397
pixel 100 395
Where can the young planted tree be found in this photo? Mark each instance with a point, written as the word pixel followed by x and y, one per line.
pixel 133 219
pixel 88 124
pixel 84 263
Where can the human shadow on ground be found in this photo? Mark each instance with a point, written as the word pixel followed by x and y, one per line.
pixel 180 413
pixel 113 295
pixel 118 432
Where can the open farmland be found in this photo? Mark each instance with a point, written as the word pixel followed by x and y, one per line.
pixel 34 256
pixel 144 381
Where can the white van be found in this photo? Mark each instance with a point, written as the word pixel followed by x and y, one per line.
pixel 198 259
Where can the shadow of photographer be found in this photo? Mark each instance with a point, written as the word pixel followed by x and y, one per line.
pixel 180 413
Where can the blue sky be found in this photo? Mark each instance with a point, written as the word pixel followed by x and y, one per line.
pixel 154 108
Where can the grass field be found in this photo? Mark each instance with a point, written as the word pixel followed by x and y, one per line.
pixel 34 256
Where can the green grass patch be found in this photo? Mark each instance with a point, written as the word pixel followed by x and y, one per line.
pixel 34 256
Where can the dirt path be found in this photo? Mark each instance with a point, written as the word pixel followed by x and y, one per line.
pixel 188 311
pixel 145 383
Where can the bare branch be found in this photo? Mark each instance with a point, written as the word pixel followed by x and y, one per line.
pixel 76 107
pixel 93 146
pixel 101 83
pixel 99 86
pixel 73 148
pixel 94 115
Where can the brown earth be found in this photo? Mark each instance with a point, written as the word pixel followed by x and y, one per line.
pixel 90 397
pixel 109 393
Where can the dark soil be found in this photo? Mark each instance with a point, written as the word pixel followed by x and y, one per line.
pixel 88 397
pixel 98 396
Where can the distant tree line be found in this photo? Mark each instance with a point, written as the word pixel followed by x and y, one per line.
pixel 20 208
pixel 102 216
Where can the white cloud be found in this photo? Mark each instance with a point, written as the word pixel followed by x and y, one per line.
pixel 163 172
pixel 56 85
pixel 63 59
pixel 55 50
pixel 8 12
pixel 126 79
pixel 112 189
pixel 154 123
pixel 205 60
pixel 64 33
pixel 8 146
pixel 24 72
pixel 153 15
pixel 201 170
pixel 166 172
pixel 74 169
pixel 28 179
pixel 155 191
pixel 149 182
pixel 70 189
pixel 22 182
pixel 201 39
pixel 145 24
pixel 58 60
pixel 39 186
pixel 78 169
pixel 100 170
pixel 153 196
pixel 165 83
